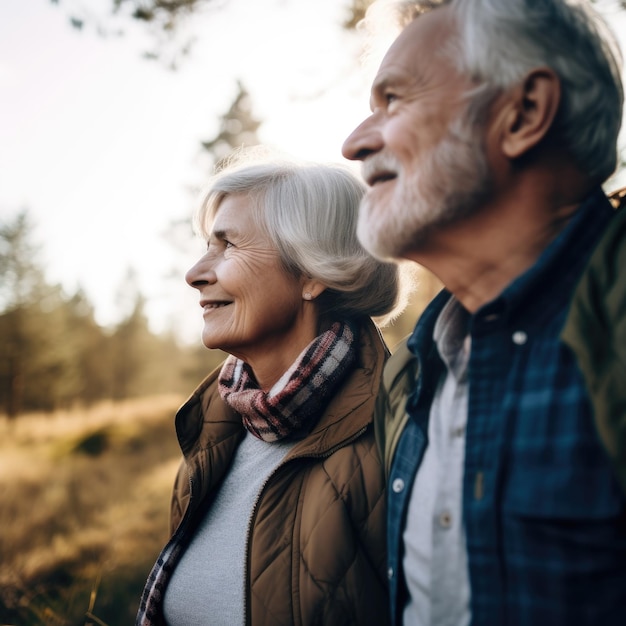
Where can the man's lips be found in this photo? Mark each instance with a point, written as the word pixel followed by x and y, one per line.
pixel 380 177
pixel 379 168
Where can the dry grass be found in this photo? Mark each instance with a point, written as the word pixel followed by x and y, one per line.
pixel 84 504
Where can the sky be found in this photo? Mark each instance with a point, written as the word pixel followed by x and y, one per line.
pixel 102 147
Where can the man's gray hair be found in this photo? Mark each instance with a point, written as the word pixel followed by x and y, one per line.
pixel 500 41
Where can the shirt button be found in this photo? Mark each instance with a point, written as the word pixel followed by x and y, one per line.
pixel 390 573
pixel 457 432
pixel 445 519
pixel 520 337
pixel 397 485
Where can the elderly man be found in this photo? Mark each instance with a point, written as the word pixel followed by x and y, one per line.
pixel 493 125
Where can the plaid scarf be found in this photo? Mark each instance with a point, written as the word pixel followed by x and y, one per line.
pixel 300 395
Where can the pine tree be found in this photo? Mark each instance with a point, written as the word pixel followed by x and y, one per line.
pixel 238 128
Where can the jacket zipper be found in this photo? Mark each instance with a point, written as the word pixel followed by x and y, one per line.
pixel 255 508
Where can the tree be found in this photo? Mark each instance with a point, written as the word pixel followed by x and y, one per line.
pixel 21 284
pixel 20 273
pixel 49 340
pixel 88 368
pixel 238 128
pixel 129 340
pixel 357 12
pixel 167 15
pixel 165 22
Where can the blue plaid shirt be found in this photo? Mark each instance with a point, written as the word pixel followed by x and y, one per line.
pixel 544 517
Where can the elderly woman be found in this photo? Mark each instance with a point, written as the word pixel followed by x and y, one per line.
pixel 278 510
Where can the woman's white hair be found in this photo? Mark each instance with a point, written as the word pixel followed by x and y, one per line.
pixel 310 212
pixel 500 41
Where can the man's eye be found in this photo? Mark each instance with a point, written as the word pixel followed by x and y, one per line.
pixel 390 98
pixel 227 244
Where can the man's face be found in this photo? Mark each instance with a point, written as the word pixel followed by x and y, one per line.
pixel 425 166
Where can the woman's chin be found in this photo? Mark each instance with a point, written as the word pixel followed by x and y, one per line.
pixel 210 341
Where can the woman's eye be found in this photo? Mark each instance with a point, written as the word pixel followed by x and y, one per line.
pixel 215 245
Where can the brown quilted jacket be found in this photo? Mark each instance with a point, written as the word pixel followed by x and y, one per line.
pixel 316 550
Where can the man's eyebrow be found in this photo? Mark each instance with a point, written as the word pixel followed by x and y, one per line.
pixel 382 82
pixel 380 85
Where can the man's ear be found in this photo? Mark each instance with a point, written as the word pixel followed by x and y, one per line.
pixel 531 110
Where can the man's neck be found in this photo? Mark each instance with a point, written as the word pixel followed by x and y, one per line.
pixel 478 258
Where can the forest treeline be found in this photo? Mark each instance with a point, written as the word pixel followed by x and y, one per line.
pixel 54 355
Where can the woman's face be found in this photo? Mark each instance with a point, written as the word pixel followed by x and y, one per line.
pixel 252 307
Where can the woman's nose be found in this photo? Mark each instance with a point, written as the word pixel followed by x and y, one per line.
pixel 364 140
pixel 201 273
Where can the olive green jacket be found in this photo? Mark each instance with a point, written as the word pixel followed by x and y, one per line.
pixel 595 330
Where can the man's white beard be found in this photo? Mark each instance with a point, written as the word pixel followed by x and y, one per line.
pixel 452 183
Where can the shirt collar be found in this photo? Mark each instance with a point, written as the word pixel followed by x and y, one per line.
pixel 559 266
pixel 554 274
pixel 452 338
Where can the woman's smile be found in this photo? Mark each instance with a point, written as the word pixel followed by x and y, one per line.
pixel 210 305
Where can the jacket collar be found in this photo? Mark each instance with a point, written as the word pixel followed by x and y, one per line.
pixel 209 430
pixel 351 410
pixel 537 295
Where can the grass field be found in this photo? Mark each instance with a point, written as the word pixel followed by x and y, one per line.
pixel 84 499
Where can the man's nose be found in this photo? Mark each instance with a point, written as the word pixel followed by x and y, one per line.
pixel 364 140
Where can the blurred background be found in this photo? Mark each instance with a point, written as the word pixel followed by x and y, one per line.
pixel 113 114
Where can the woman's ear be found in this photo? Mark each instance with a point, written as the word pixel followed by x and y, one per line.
pixel 312 288
pixel 530 112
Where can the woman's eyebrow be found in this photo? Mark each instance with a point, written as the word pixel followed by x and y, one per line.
pixel 224 233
